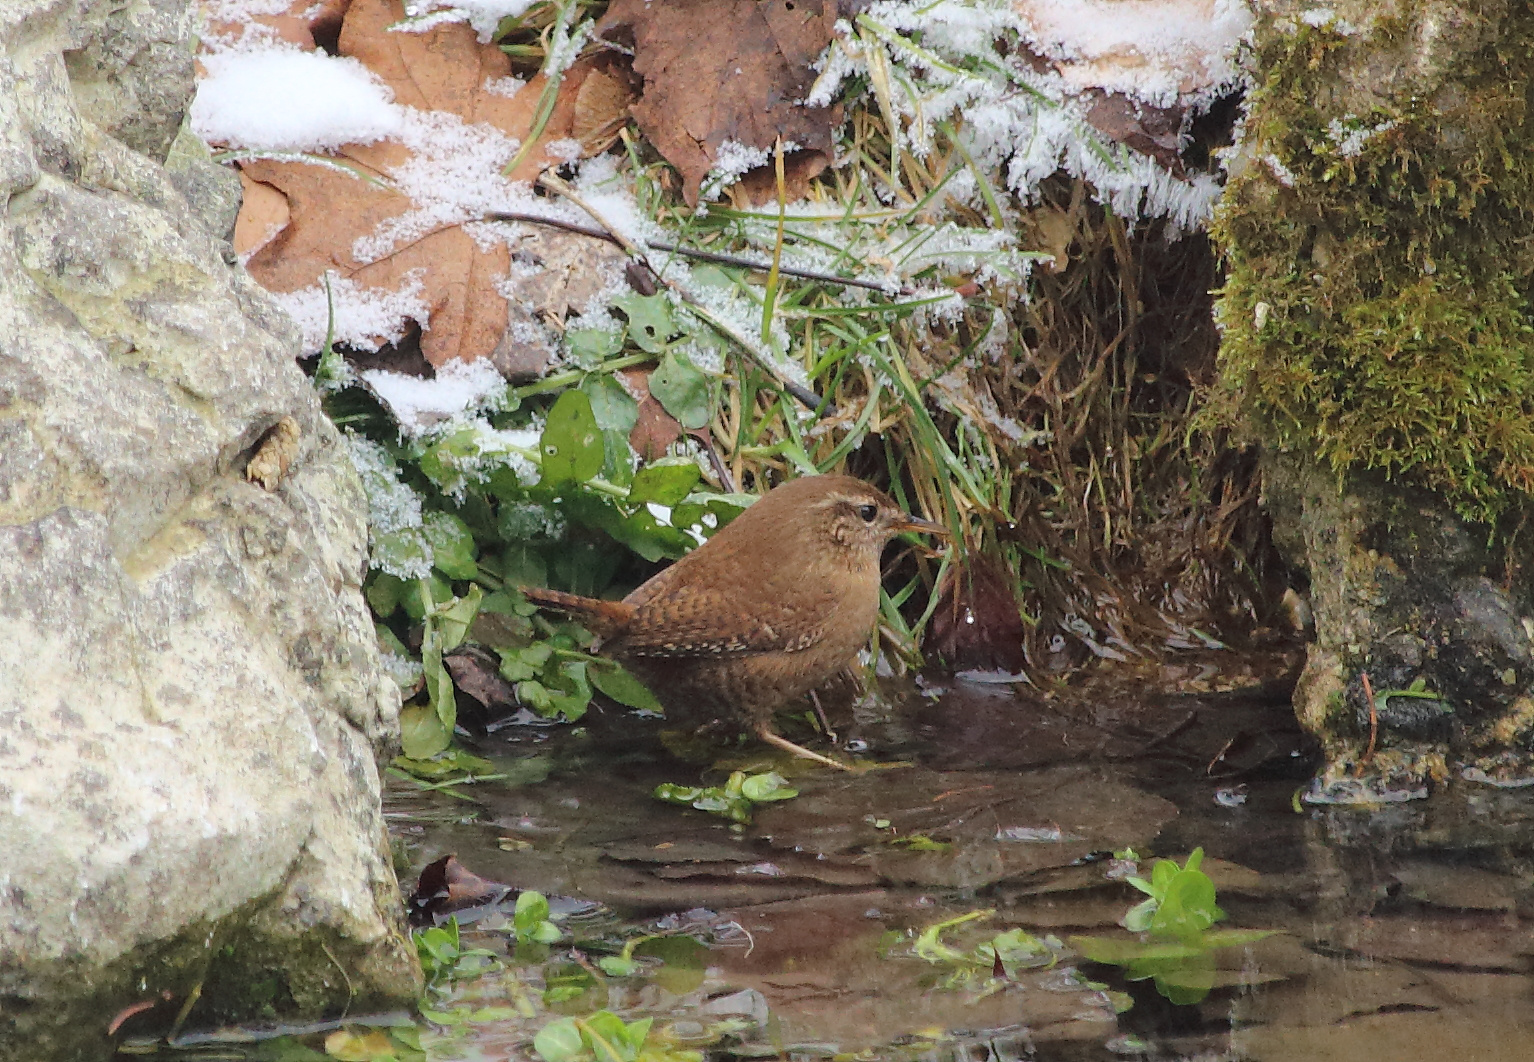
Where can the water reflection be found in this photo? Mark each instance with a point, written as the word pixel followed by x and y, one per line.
pixel 1405 930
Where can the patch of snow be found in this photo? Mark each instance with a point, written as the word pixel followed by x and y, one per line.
pixel 364 317
pixel 283 99
pixel 567 150
pixel 419 404
pixel 504 86
pixel 1153 50
pixel 1281 173
pixel 484 15
pixel 242 10
pixel 1350 137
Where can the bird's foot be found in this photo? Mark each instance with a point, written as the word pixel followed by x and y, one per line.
pixel 786 745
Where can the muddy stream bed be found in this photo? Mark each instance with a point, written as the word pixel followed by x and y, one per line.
pixel 1403 931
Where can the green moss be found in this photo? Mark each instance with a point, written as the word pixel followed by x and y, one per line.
pixel 1379 253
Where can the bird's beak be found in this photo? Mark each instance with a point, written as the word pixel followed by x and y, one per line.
pixel 914 523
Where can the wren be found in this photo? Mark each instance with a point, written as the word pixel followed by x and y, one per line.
pixel 774 605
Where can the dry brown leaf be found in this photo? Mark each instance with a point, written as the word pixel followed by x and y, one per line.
pixel 1153 131
pixel 655 429
pixel 718 70
pixel 330 208
pixel 263 215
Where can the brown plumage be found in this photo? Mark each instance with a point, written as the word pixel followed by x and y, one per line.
pixel 768 609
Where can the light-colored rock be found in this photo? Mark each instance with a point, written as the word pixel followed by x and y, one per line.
pixel 188 787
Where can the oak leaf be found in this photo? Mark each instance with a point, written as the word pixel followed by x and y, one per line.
pixel 718 71
pixel 358 218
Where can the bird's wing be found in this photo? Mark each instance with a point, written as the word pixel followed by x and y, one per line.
pixel 725 621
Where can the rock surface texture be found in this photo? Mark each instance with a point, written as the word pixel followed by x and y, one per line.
pixel 1377 341
pixel 189 795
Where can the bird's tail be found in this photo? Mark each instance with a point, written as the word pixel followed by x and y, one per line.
pixel 602 617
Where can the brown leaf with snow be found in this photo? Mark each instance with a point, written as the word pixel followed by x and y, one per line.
pixel 352 218
pixel 728 70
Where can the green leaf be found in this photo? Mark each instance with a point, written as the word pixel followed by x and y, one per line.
pixel 684 392
pixel 638 1032
pixel 532 908
pixel 589 347
pixel 444 461
pixel 484 1015
pixel 388 642
pixel 665 482
pixel 383 593
pixel 454 620
pixel 402 551
pixel 1188 907
pixel 612 406
pixel 613 680
pixel 761 788
pixel 645 535
pixel 559 1041
pixel 521 565
pixel 416 592
pixel 618 966
pixel 452 545
pixel 609 1038
pixel 439 684
pixel 286 1049
pixel 571 446
pixel 455 762
pixel 422 734
pixel 672 793
pixel 1139 917
pixel 650 320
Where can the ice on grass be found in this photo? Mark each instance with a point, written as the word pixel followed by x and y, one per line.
pixel 283 99
pixel 420 405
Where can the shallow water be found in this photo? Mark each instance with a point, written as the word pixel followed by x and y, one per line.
pixel 1403 932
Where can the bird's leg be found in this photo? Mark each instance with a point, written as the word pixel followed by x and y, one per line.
pixel 820 713
pixel 765 733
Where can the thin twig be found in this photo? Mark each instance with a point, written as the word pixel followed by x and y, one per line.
pixel 1374 724
pixel 716 257
pixel 807 397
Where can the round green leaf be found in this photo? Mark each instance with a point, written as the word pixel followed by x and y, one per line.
pixel 571 446
pixel 452 545
pixel 383 592
pixel 762 788
pixel 589 347
pixel 650 320
pixel 622 687
pixel 684 392
pixel 612 406
pixel 422 734
pixel 559 1041
pixel 404 553
pixel 665 482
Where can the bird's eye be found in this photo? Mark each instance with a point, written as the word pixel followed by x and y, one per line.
pixel 868 513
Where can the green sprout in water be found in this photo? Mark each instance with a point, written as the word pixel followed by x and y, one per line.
pixel 1177 944
pixel 605 1037
pixel 995 961
pixel 531 920
pixel 735 799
